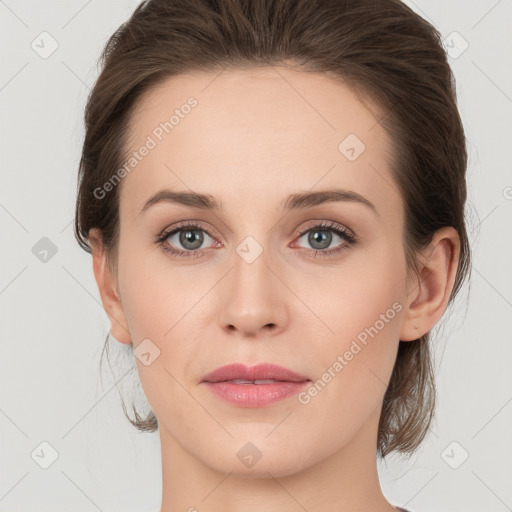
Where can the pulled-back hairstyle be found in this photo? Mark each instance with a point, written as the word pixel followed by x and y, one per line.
pixel 381 49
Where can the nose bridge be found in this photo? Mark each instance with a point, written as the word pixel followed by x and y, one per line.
pixel 253 298
pixel 251 274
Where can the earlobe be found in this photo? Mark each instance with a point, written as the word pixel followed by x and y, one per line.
pixel 108 290
pixel 428 297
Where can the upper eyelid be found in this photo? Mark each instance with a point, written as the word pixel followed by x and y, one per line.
pixel 184 225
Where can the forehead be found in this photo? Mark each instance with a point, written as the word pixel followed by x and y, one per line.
pixel 259 134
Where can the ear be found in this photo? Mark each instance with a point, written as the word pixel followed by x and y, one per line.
pixel 428 294
pixel 108 289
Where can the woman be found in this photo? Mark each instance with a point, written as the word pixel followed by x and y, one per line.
pixel 273 195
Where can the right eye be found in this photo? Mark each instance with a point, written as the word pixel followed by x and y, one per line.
pixel 189 236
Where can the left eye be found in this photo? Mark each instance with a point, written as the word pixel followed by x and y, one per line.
pixel 319 239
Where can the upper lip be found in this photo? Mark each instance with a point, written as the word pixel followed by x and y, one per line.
pixel 252 373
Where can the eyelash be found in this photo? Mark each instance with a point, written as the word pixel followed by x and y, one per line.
pixel 349 238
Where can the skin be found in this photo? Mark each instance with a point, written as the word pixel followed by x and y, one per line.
pixel 255 137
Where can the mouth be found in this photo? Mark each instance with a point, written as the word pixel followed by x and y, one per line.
pixel 256 386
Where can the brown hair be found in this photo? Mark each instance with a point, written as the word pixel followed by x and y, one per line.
pixel 381 48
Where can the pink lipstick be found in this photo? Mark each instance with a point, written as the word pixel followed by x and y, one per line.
pixel 255 386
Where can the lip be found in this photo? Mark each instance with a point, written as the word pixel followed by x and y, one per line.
pixel 286 383
pixel 259 372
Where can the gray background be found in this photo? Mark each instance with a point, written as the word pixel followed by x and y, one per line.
pixel 53 324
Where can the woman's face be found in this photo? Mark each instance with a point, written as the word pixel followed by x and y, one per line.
pixel 245 286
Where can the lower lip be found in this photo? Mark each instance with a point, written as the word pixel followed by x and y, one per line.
pixel 255 395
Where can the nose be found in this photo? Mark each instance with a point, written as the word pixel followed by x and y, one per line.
pixel 253 299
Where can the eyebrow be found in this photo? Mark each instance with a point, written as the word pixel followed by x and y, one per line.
pixel 296 201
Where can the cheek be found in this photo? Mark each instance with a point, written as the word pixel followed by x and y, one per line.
pixel 162 306
pixel 154 296
pixel 362 306
pixel 354 296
